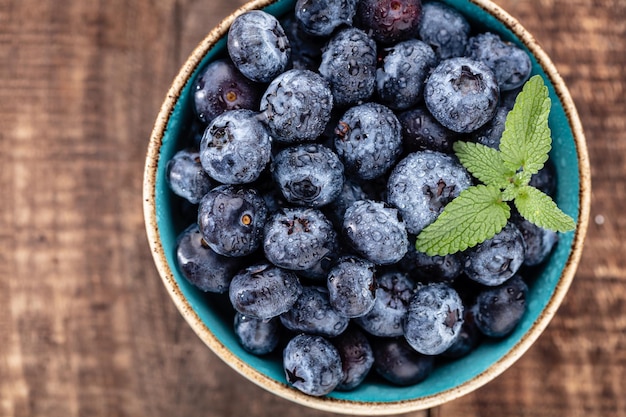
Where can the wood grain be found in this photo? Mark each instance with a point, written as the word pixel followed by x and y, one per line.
pixel 86 327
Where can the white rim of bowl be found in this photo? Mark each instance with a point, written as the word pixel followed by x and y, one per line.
pixel 328 403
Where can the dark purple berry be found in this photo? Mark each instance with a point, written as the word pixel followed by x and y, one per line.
pixel 400 364
pixel 389 21
pixel 426 268
pixel 231 219
pixel 221 87
pixel 306 50
pixel 421 131
pixel 356 355
pixel 200 265
pixel 538 241
pixel 312 365
pixel 264 291
pixel 499 310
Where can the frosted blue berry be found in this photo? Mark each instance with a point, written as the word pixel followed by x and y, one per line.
pixel 308 174
pixel 297 106
pixel 258 45
pixel 235 147
pixel 462 94
pixel 312 364
pixel 376 231
pixel 368 140
pixel 264 291
pixel 434 319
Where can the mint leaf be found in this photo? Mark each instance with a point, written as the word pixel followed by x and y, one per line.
pixel 526 139
pixel 477 214
pixel 538 208
pixel 483 162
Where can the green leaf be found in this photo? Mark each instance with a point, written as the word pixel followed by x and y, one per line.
pixel 526 140
pixel 538 208
pixel 483 162
pixel 477 214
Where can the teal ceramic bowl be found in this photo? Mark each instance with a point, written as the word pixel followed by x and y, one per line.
pixel 447 382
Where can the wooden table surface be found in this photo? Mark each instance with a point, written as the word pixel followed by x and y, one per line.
pixel 86 326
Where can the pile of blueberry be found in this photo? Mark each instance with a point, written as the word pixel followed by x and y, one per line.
pixel 321 148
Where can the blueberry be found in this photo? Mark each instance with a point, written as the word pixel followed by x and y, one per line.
pixel 257 336
pixel 510 64
pixel 357 357
pixel 393 293
pixel 186 177
pixel 389 21
pixel 468 339
pixel 462 94
pixel 221 87
pixel 368 140
pixel 400 78
pixel 306 50
pixel 349 64
pixel 426 268
pixel 312 364
pixel 308 174
pixel 496 260
pixel 298 238
pixel 434 318
pixel 498 310
pixel 444 29
pixel 491 133
pixel 350 192
pixel 264 291
pixel 538 242
pixel 351 286
pixel 545 179
pixel 322 17
pixel 400 364
pixel 258 45
pixel 421 131
pixel 375 230
pixel 297 106
pixel 231 219
pixel 313 314
pixel 200 265
pixel 422 184
pixel 236 147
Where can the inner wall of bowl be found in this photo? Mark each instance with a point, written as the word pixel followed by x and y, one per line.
pixel 447 375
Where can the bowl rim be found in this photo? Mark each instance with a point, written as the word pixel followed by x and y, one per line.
pixel 334 404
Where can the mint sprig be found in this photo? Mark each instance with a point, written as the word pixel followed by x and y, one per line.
pixel 481 211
